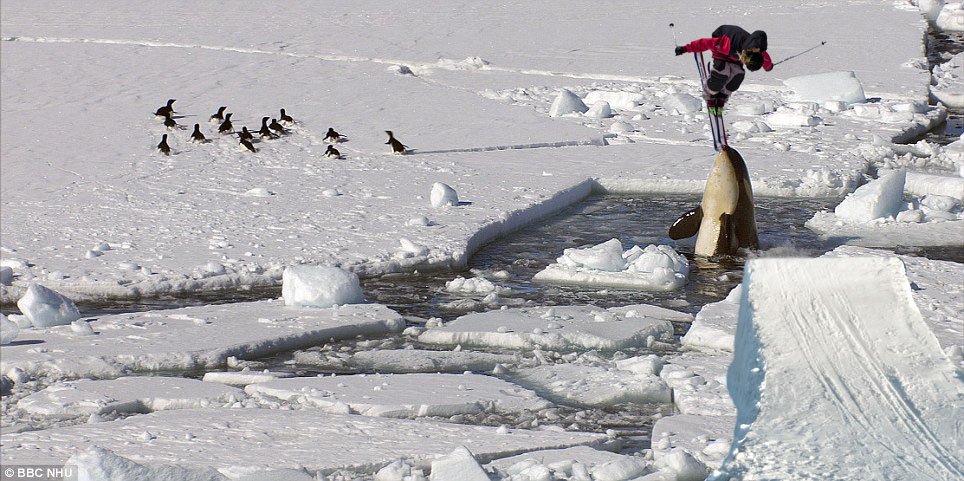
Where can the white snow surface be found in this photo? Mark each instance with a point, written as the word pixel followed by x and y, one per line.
pixel 708 438
pixel 823 87
pixel 948 82
pixel 658 268
pixel 880 198
pixel 8 330
pixel 276 439
pixel 410 360
pixel 188 338
pixel 935 288
pixel 597 386
pixel 319 286
pixel 192 209
pixel 95 464
pixel 567 103
pixel 243 377
pixel 402 395
pixel 559 328
pixel 875 214
pixel 127 395
pixel 812 327
pixel 698 381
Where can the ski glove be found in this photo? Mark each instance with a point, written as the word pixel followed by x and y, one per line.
pixel 680 50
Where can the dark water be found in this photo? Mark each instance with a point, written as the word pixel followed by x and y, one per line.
pixel 639 220
pixel 941 46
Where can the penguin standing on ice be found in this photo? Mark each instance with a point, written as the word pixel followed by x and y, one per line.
pixel 246 134
pixel 218 117
pixel 274 125
pixel 197 136
pixel 397 147
pixel 166 110
pixel 169 122
pixel 163 147
pixel 286 119
pixel 332 153
pixel 265 131
pixel 226 126
pixel 332 136
pixel 247 145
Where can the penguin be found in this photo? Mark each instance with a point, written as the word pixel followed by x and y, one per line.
pixel 197 136
pixel 332 153
pixel 332 136
pixel 246 134
pixel 397 147
pixel 169 122
pixel 219 116
pixel 274 125
pixel 166 110
pixel 265 131
pixel 285 118
pixel 247 145
pixel 163 147
pixel 226 126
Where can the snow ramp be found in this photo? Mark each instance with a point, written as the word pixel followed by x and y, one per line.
pixel 836 376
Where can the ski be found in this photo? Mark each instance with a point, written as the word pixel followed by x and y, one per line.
pixel 714 114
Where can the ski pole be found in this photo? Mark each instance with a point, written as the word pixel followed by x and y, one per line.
pixel 801 53
pixel 672 27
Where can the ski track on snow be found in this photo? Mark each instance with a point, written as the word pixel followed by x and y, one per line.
pixel 333 58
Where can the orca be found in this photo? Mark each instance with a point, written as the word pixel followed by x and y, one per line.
pixel 397 147
pixel 724 221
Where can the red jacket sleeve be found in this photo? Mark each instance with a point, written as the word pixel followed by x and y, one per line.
pixel 701 45
pixel 767 63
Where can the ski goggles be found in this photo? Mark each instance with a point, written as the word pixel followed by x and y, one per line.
pixel 746 54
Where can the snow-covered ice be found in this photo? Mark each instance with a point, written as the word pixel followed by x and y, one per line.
pixel 402 395
pixel 443 195
pixel 935 288
pixel 875 214
pixel 46 308
pixel 880 198
pixel 127 395
pixel 657 268
pixel 708 438
pixel 8 330
pixel 698 381
pixel 188 338
pixel 320 286
pixel 823 87
pixel 948 82
pixel 812 327
pixel 409 360
pixel 243 377
pixel 559 328
pixel 588 385
pixel 565 103
pixel 275 439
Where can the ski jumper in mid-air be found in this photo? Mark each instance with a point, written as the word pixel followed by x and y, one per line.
pixel 732 48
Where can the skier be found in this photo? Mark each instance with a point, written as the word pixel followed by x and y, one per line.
pixel 732 48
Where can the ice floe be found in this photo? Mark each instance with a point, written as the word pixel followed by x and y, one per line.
pixel 402 395
pixel 559 328
pixel 188 338
pixel 658 268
